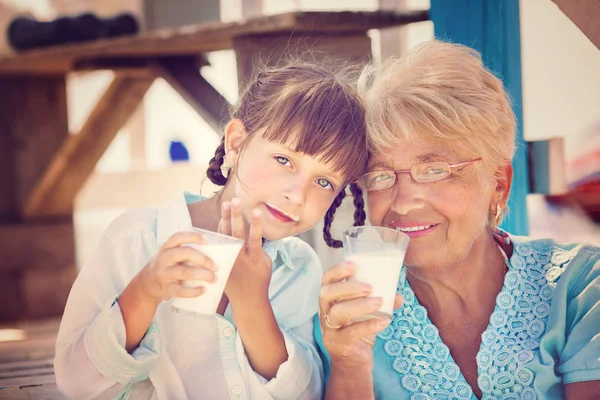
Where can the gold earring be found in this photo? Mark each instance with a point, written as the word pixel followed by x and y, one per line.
pixel 498 211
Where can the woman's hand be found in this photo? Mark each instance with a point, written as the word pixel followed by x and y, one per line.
pixel 251 273
pixel 349 344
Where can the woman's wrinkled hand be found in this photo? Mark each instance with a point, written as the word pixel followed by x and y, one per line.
pixel 341 301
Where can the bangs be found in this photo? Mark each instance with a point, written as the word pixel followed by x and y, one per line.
pixel 322 120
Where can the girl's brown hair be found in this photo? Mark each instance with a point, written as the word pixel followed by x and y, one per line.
pixel 320 110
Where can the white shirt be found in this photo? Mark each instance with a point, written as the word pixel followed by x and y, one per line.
pixel 181 356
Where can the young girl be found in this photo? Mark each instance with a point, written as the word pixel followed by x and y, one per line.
pixel 295 141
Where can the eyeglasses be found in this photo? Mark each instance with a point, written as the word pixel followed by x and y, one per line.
pixel 421 173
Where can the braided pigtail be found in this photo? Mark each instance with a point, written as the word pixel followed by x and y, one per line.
pixel 359 205
pixel 214 172
pixel 337 202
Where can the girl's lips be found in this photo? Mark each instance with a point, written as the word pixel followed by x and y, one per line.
pixel 277 214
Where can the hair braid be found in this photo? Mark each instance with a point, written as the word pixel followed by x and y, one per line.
pixel 331 242
pixel 214 172
pixel 359 205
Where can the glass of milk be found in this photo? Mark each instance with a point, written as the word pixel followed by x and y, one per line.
pixel 378 254
pixel 223 251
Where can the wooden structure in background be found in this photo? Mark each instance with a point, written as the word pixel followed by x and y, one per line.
pixel 585 14
pixel 43 166
pixel 26 369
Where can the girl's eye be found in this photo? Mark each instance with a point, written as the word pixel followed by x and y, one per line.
pixel 283 161
pixel 324 183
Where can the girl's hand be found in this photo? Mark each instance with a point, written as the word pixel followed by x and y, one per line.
pixel 161 277
pixel 349 344
pixel 251 273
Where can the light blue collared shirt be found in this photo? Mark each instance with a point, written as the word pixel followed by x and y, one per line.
pixel 544 333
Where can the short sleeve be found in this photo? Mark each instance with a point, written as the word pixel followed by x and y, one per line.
pixel 580 358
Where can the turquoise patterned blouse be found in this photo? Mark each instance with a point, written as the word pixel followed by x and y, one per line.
pixel 543 333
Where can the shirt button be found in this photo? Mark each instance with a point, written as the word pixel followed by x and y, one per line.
pixel 237 390
pixel 228 332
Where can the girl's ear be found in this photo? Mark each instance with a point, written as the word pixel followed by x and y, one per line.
pixel 235 134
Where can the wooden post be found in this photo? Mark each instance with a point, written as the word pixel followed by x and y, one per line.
pixel 252 51
pixel 392 40
pixel 38 259
pixel 74 161
pixel 183 74
pixel 585 14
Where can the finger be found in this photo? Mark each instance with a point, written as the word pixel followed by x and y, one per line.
pixel 335 292
pixel 398 301
pixel 176 290
pixel 339 272
pixel 255 235
pixel 342 313
pixel 332 276
pixel 366 329
pixel 186 255
pixel 237 219
pixel 181 272
pixel 185 237
pixel 225 222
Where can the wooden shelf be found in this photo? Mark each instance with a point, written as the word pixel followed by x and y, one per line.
pixel 200 38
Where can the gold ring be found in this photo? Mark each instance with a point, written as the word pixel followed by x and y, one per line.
pixel 328 323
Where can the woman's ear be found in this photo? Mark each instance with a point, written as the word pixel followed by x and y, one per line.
pixel 235 134
pixel 504 178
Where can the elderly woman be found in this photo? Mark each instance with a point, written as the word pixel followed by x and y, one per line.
pixel 485 314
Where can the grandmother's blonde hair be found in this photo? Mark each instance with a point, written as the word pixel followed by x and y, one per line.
pixel 441 91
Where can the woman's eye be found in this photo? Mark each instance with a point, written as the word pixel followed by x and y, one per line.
pixel 382 178
pixel 324 183
pixel 283 161
pixel 435 171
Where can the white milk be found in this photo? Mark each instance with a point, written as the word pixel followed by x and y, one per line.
pixel 381 270
pixel 224 256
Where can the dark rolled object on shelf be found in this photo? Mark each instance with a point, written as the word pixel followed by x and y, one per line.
pixel 25 32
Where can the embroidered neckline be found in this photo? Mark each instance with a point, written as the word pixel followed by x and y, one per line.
pixel 423 361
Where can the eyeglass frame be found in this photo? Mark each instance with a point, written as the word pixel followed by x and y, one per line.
pixel 409 171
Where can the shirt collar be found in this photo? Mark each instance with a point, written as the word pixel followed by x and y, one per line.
pixel 174 216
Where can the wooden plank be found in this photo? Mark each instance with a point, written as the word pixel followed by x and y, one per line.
pixel 33 122
pixel 26 372
pixel 27 381
pixel 270 49
pixel 585 14
pixel 142 188
pixel 36 245
pixel 29 365
pixel 29 349
pixel 38 269
pixel 183 74
pixel 44 391
pixel 210 36
pixel 71 165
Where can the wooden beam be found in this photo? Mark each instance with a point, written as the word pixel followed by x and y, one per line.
pixel 33 125
pixel 202 38
pixel 38 246
pixel 54 193
pixel 183 74
pixel 37 269
pixel 585 14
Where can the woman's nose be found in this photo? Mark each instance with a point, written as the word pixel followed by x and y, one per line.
pixel 407 194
